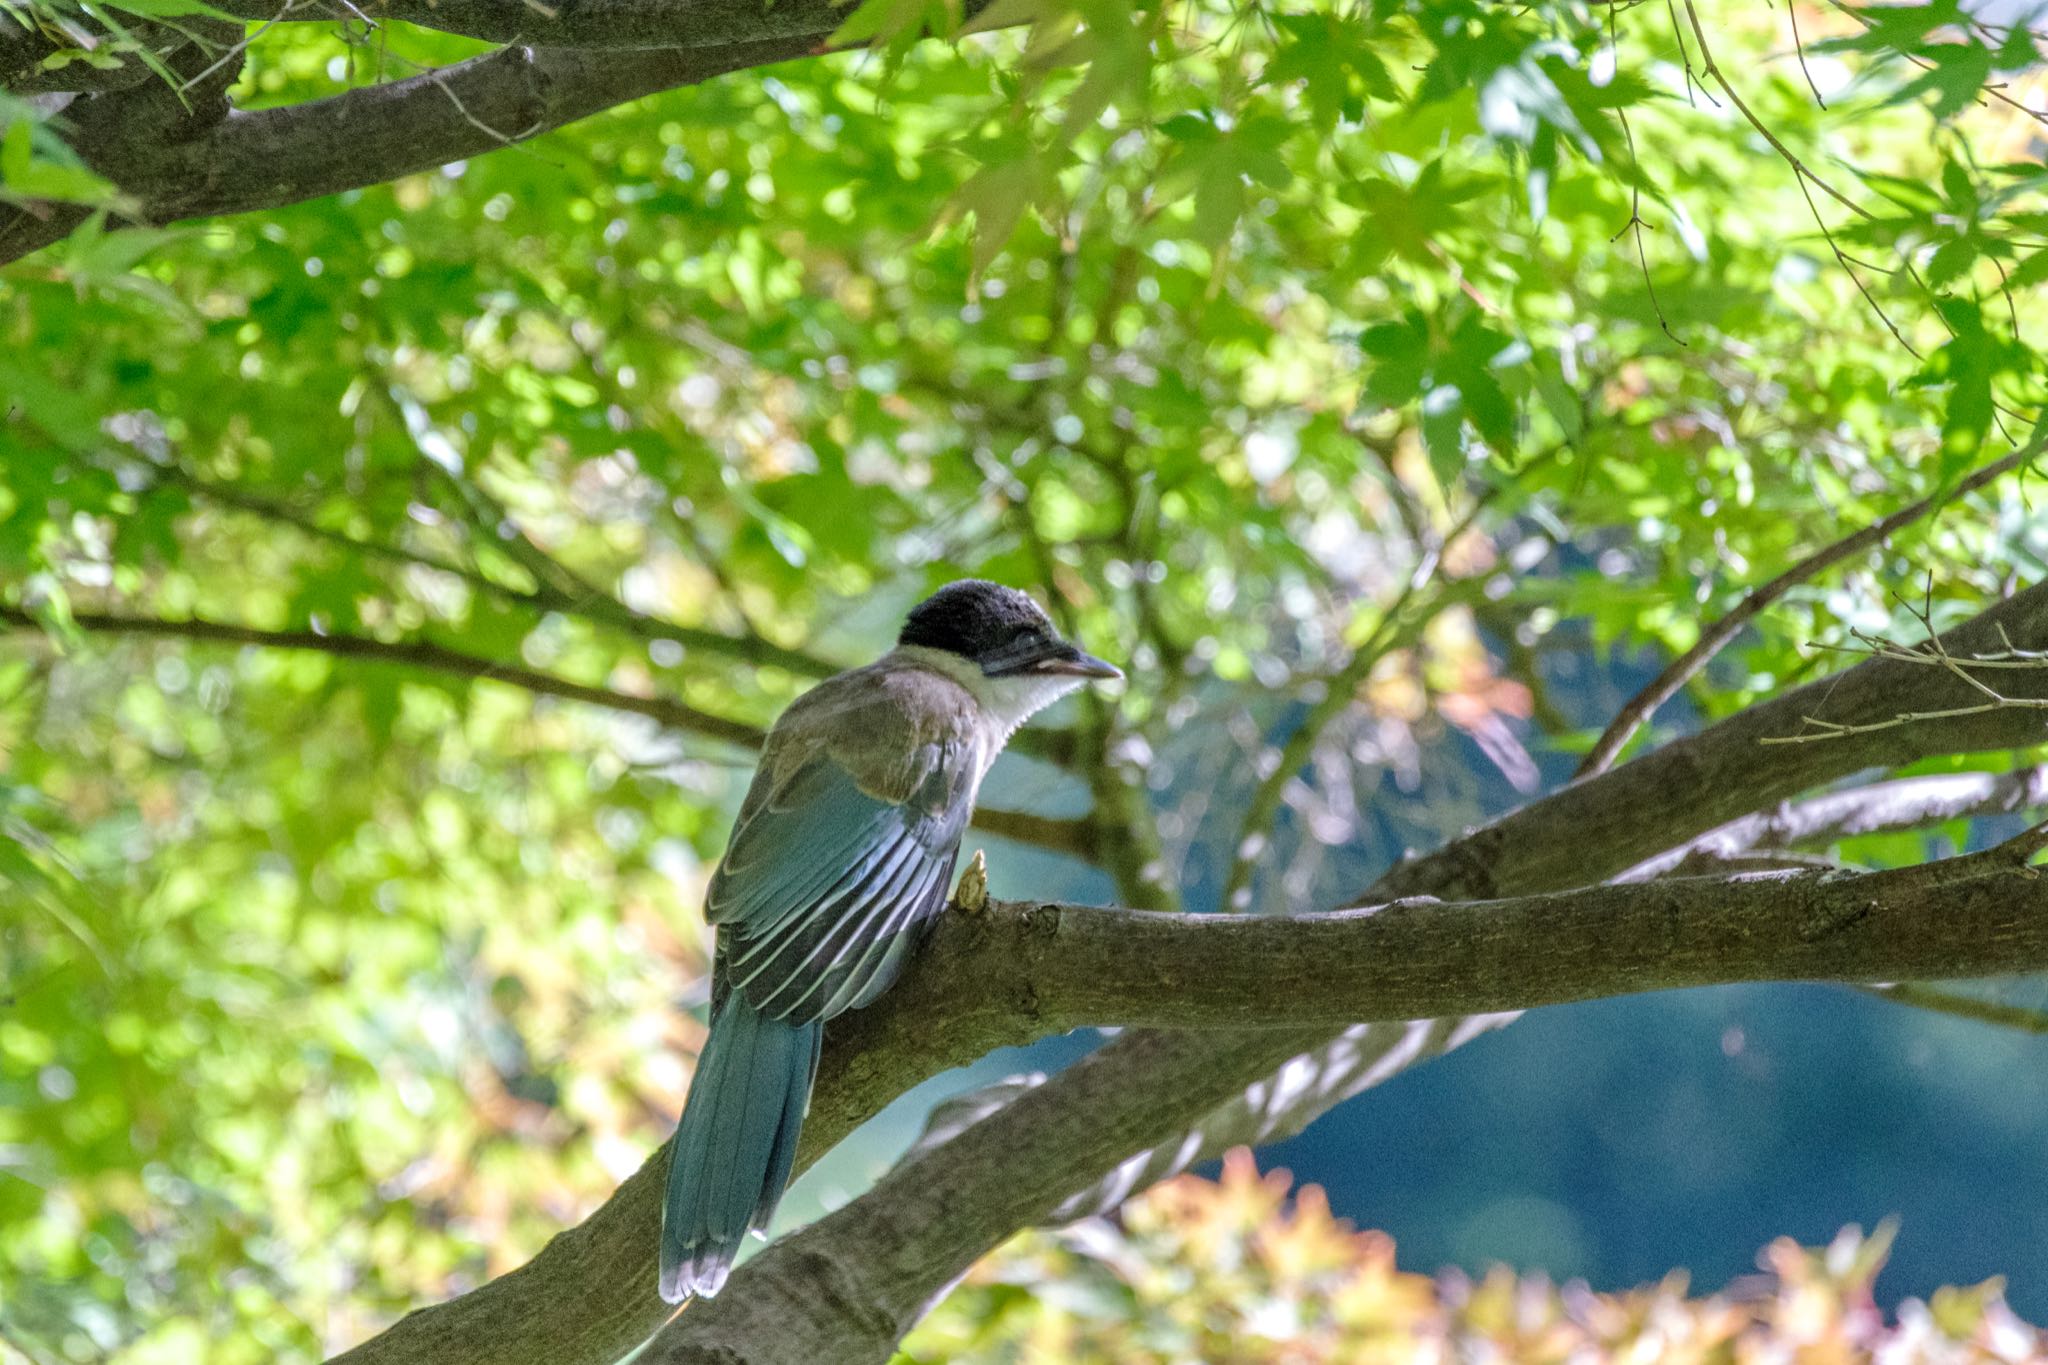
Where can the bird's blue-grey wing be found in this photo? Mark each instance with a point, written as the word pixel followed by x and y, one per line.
pixel 826 881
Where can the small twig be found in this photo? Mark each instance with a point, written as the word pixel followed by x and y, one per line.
pixel 1635 205
pixel 1716 637
pixel 1685 56
pixel 503 139
pixel 1792 13
pixel 241 45
pixel 1932 653
pixel 1841 258
pixel 1763 129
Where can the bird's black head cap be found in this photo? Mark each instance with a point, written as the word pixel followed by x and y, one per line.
pixel 973 618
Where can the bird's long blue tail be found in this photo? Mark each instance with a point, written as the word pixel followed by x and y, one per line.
pixel 735 1146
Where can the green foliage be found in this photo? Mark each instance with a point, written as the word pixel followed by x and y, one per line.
pixel 338 985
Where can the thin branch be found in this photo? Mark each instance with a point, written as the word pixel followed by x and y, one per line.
pixel 1601 826
pixel 1075 837
pixel 412 653
pixel 1716 637
pixel 1635 202
pixel 1799 46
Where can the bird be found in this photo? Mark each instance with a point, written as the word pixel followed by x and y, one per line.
pixel 839 860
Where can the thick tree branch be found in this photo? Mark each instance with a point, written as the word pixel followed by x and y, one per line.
pixel 32 227
pixel 685 24
pixel 153 118
pixel 1076 837
pixel 272 157
pixel 1022 969
pixel 607 55
pixel 881 1260
pixel 646 24
pixel 593 1286
pixel 1716 636
pixel 1018 971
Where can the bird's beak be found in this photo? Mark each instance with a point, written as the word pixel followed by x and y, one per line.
pixel 1054 656
pixel 1080 664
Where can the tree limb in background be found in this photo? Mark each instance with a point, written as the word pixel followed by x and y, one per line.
pixel 596 606
pixel 1905 803
pixel 1073 836
pixel 593 1285
pixel 272 157
pixel 1716 637
pixel 619 24
pixel 604 609
pixel 1937 1001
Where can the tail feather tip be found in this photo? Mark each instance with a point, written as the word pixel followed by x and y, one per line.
pixel 700 1273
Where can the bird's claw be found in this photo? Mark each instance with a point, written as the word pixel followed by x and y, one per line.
pixel 971 895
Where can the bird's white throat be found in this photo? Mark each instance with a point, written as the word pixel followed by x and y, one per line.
pixel 1009 701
